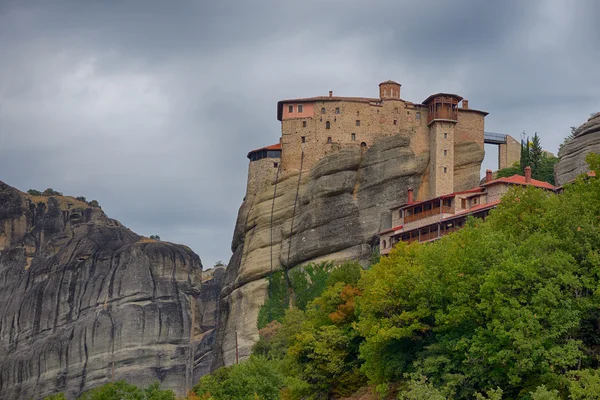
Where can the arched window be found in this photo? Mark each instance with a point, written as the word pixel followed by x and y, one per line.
pixel 329 140
pixel 323 110
pixel 363 144
pixel 327 125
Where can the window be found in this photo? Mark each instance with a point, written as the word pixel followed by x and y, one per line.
pixel 291 109
pixel 396 110
pixel 445 169
pixel 445 135
pixel 303 138
pixel 474 200
pixel 304 124
pixel 448 202
pixel 384 244
pixel 408 113
pixel 418 115
pixel 323 110
pixel 395 122
pixel 445 152
pixel 358 122
pixel 329 140
pixel 327 125
pixel 353 135
pixel 300 108
pixel 337 110
pixel 275 165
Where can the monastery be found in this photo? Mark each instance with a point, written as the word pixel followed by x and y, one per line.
pixel 315 127
pixel 430 219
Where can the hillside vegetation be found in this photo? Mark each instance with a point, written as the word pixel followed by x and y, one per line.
pixel 508 308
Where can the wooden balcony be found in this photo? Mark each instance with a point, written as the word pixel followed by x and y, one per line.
pixel 445 113
pixel 428 213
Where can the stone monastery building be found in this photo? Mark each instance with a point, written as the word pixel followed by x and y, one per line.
pixel 314 127
pixel 430 219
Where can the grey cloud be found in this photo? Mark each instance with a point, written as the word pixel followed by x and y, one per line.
pixel 150 107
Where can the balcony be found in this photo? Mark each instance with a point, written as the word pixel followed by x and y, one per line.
pixel 435 210
pixel 443 106
pixel 444 113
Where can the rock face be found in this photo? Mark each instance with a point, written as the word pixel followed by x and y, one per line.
pixel 572 155
pixel 342 203
pixel 84 300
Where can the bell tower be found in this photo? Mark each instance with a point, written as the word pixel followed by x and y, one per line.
pixel 389 90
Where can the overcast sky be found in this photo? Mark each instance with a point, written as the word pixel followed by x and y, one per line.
pixel 151 106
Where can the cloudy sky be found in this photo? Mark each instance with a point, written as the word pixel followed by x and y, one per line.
pixel 150 106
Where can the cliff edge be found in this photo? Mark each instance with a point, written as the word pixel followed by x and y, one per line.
pixel 586 139
pixel 85 301
pixel 332 212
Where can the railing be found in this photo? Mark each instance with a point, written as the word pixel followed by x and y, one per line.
pixel 428 236
pixel 494 138
pixel 443 114
pixel 422 214
pixel 447 210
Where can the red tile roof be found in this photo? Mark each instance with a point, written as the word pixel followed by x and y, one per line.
pixel 271 147
pixel 520 180
pixel 478 189
pixel 391 229
pixel 478 207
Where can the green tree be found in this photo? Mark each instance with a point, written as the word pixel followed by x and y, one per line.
pixel 509 302
pixel 34 192
pixel 155 237
pixel 257 377
pixel 536 153
pixel 57 396
pixel 94 203
pixel 120 390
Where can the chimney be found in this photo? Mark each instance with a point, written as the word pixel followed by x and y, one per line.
pixel 331 93
pixel 410 195
pixel 488 175
pixel 465 104
pixel 527 174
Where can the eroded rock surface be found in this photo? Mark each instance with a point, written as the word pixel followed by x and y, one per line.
pixel 84 300
pixel 572 155
pixel 343 202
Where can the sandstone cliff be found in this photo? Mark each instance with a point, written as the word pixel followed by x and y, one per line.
pixel 572 155
pixel 84 300
pixel 342 204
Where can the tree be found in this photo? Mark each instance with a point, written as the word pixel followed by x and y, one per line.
pixel 155 237
pixel 257 377
pixel 34 192
pixel 81 198
pixel 94 203
pixel 51 192
pixel 536 153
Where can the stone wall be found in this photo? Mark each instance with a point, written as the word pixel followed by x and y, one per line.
pixel 261 173
pixel 509 153
pixel 376 121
